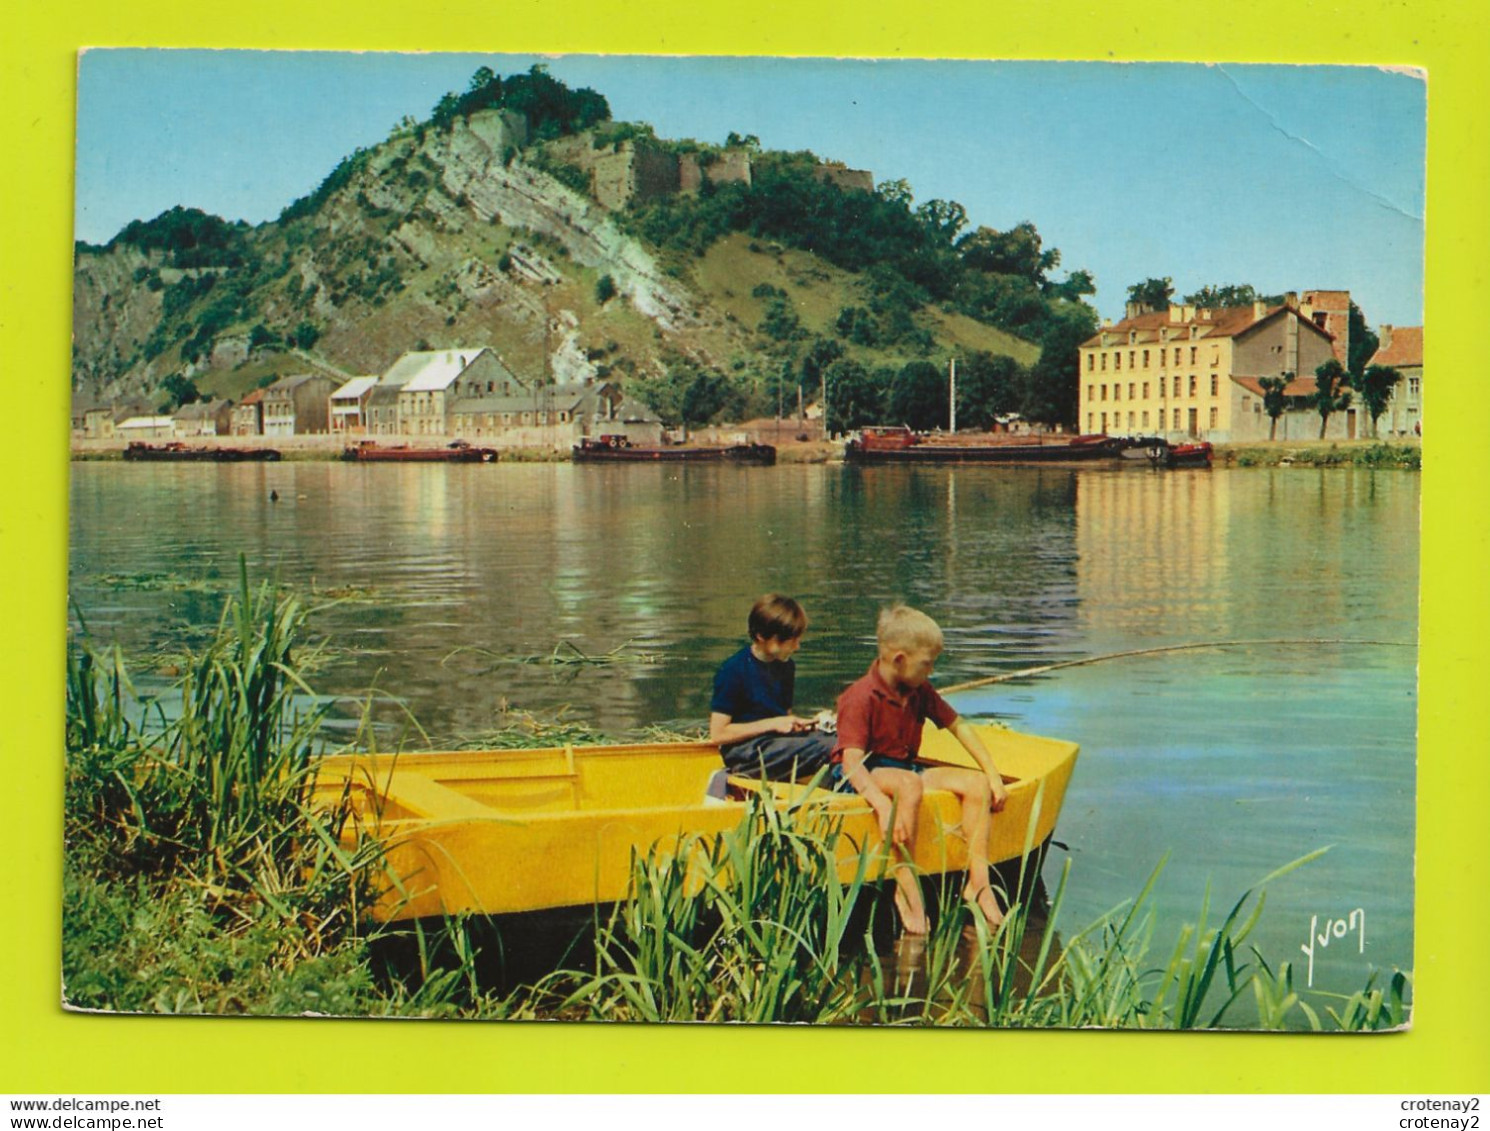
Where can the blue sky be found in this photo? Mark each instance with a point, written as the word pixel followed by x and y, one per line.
pixel 1285 177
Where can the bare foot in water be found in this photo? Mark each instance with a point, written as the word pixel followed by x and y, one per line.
pixel 987 904
pixel 912 913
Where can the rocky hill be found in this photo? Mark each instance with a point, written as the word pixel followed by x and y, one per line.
pixel 468 233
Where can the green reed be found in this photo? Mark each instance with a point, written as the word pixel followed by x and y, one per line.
pixel 199 878
pixel 755 925
pixel 751 925
pixel 212 782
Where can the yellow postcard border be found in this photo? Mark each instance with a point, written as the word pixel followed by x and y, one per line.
pixel 46 1050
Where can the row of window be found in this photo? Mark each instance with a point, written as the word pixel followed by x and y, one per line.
pixel 489 419
pixel 1098 422
pixel 1099 392
pixel 1098 359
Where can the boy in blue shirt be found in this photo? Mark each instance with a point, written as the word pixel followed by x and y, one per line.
pixel 750 715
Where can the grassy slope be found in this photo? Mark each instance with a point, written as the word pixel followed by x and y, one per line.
pixel 361 336
pixel 730 271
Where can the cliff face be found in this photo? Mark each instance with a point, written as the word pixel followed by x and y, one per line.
pixel 445 238
pixel 460 238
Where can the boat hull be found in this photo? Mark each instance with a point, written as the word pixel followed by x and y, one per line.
pixel 1186 455
pixel 365 454
pixel 763 455
pixel 173 452
pixel 991 453
pixel 499 832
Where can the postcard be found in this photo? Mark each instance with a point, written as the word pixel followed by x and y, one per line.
pixel 439 422
pixel 452 411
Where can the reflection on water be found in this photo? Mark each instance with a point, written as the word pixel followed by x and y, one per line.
pixel 1232 760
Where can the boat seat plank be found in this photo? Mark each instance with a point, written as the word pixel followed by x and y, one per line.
pixel 429 798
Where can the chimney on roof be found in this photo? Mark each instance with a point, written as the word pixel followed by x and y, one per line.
pixel 1291 299
pixel 1259 308
pixel 1189 315
pixel 1134 309
pixel 1385 337
pixel 1176 314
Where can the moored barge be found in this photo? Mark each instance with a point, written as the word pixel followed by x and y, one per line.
pixel 619 449
pixel 901 445
pixel 367 451
pixel 176 450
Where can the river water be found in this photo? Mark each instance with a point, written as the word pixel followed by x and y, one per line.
pixel 1227 761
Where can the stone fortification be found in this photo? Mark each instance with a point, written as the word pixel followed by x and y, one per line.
pixel 634 171
pixel 850 180
pixel 730 167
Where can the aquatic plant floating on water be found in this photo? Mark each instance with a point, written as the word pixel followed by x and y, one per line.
pixel 567 654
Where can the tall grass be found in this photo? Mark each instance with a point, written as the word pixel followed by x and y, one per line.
pixel 199 878
pixel 200 800
pixel 220 788
pixel 751 925
pixel 755 925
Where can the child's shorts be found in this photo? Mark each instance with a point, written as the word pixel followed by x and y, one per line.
pixel 838 782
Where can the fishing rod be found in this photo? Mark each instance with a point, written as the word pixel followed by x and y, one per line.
pixel 1004 677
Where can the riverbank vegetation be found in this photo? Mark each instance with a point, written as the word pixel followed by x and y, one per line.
pixel 198 878
pixel 1369 454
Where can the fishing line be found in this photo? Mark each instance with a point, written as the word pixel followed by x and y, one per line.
pixel 1004 677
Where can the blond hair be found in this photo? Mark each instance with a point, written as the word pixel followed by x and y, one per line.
pixel 903 629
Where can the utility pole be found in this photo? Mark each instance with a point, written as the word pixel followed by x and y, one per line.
pixel 546 392
pixel 952 395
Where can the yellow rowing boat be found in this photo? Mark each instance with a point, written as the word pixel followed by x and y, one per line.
pixel 500 831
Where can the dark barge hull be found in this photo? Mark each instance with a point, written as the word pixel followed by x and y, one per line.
pixel 756 455
pixel 420 455
pixel 174 452
pixel 1012 454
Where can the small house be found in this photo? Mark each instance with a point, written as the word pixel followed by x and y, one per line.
pixel 348 409
pixel 298 405
pixel 204 418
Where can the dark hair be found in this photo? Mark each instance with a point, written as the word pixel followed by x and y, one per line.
pixel 777 618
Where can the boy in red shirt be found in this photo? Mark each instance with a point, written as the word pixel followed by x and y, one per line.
pixel 879 735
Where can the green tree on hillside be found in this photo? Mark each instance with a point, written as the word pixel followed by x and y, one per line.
pixel 180 390
pixel 1218 297
pixel 1153 293
pixel 552 109
pixel 188 237
pixel 987 386
pixel 855 399
pixel 1329 379
pixel 918 397
pixel 1076 286
pixel 1050 385
pixel 1015 252
pixel 1274 403
pixel 710 397
pixel 815 361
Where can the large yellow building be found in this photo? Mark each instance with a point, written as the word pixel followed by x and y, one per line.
pixel 1191 372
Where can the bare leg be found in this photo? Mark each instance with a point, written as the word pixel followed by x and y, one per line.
pixel 972 789
pixel 904 790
